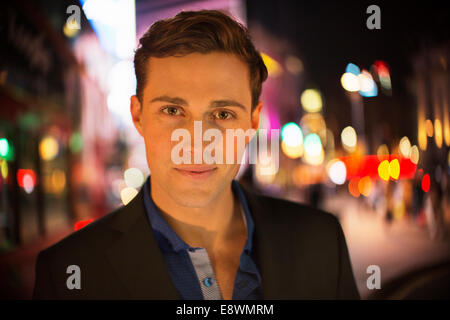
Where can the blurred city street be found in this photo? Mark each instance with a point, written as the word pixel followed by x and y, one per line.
pixel 397 248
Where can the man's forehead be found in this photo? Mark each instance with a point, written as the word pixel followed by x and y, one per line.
pixel 214 74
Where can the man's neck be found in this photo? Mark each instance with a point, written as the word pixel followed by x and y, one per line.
pixel 201 226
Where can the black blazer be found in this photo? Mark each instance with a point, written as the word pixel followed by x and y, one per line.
pixel 301 253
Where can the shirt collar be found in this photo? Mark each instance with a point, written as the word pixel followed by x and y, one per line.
pixel 168 239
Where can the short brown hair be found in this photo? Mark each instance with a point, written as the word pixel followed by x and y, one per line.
pixel 201 31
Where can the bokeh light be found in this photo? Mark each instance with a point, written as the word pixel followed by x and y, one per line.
pixel 4 168
pixel 265 173
pixel 58 181
pixel 294 64
pixel 368 87
pixel 349 138
pixel 438 133
pixel 426 183
pixel 4 147
pixel 313 145
pixel 382 151
pixel 365 186
pixel 127 194
pixel 292 152
pixel 337 172
pixel 71 29
pixel 352 68
pixel 76 142
pixel 350 82
pixel 311 100
pixel 394 169
pixel 26 178
pixel 48 148
pixel 383 170
pixel 291 134
pixel 353 187
pixel 382 70
pixel 273 67
pixel 82 224
pixel 405 146
pixel 414 155
pixel 133 177
pixel 429 127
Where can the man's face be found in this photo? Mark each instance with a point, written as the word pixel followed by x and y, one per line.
pixel 213 88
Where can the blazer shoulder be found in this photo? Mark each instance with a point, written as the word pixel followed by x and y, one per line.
pixel 90 238
pixel 291 210
pixel 287 214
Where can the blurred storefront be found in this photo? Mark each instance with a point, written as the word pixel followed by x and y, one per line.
pixel 55 133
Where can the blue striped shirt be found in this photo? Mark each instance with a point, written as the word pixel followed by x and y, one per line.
pixel 190 268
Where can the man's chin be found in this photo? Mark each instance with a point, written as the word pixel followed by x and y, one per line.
pixel 193 198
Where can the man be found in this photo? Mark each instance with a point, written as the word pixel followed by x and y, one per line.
pixel 193 232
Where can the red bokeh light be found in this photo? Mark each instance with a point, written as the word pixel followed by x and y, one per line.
pixel 82 223
pixel 426 183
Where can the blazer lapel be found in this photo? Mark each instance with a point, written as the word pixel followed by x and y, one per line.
pixel 282 277
pixel 136 257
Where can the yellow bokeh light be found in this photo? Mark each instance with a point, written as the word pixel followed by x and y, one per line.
pixel 350 82
pixel 71 29
pixel 311 100
pixel 429 127
pixel 383 170
pixel 4 168
pixel 273 67
pixel 58 181
pixel 48 148
pixel 394 169
pixel 438 133
pixel 292 152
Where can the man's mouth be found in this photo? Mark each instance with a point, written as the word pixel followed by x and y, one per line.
pixel 197 171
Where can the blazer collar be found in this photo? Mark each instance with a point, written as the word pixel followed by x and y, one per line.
pixel 136 257
pixel 272 246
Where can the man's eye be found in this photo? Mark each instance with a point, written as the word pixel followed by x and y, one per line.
pixel 171 111
pixel 223 115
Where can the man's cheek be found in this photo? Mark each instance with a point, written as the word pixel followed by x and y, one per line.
pixel 159 153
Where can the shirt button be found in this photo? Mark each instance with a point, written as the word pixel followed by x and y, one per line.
pixel 208 281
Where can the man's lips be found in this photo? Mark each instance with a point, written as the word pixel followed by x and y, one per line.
pixel 196 169
pixel 197 172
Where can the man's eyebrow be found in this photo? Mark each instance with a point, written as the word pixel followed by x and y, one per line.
pixel 213 104
pixel 226 103
pixel 174 100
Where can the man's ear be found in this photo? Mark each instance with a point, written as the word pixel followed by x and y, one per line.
pixel 255 115
pixel 136 114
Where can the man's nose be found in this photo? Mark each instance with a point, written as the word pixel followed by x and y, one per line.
pixel 196 128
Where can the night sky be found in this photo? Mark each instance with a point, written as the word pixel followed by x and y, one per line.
pixel 330 34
